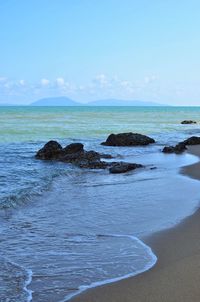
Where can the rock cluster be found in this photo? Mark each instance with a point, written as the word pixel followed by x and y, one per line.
pixel 75 154
pixel 128 139
pixel 181 147
pixel 187 122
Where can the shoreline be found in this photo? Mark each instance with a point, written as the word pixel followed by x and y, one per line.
pixel 175 277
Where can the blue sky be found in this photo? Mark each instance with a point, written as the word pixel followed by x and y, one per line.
pixel 94 49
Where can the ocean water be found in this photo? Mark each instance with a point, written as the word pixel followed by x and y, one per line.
pixel 64 229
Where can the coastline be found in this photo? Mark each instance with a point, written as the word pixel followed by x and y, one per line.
pixel 176 275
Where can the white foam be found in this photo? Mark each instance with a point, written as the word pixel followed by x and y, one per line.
pixel 148 266
pixel 27 281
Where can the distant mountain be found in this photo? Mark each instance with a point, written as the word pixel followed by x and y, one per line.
pixel 65 101
pixel 55 101
pixel 115 102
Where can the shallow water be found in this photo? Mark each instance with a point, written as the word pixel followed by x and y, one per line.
pixel 63 228
pixel 43 123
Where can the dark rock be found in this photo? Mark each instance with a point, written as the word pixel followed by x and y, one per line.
pixel 187 122
pixel 82 156
pixel 93 164
pixel 128 139
pixel 193 140
pixel 51 150
pixel 122 167
pixel 179 148
pixel 106 156
pixel 168 149
pixel 73 148
pixel 75 154
pixel 92 156
pixel 71 158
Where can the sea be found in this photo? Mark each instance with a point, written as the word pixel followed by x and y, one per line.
pixel 64 229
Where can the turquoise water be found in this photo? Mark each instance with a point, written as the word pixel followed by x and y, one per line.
pixel 64 229
pixel 42 123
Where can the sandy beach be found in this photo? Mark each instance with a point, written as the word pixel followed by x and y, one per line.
pixel 176 275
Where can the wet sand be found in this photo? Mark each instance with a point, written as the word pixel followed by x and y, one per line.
pixel 176 275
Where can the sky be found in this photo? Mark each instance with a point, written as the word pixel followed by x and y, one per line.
pixel 100 49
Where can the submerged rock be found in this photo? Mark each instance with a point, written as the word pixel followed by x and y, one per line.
pixel 123 167
pixel 187 122
pixel 128 139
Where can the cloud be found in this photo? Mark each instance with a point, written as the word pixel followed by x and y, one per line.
pixel 60 81
pixel 22 82
pixel 7 84
pixel 102 80
pixel 101 86
pixel 150 79
pixel 114 86
pixel 44 82
pixel 3 79
pixel 81 87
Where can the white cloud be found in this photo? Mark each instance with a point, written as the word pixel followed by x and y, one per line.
pixel 102 80
pixel 7 85
pixel 81 87
pixel 22 82
pixel 101 86
pixel 60 81
pixel 44 82
pixel 150 79
pixel 3 79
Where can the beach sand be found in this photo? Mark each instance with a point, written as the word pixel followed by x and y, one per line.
pixel 176 275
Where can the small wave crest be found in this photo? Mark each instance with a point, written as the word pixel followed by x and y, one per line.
pixel 149 264
pixel 23 188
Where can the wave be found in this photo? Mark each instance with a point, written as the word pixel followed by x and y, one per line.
pixel 15 274
pixel 148 266
pixel 30 186
pixel 28 282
